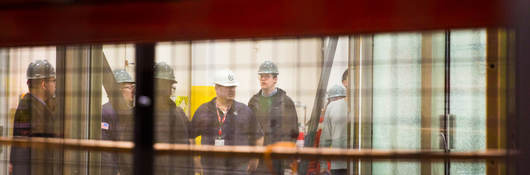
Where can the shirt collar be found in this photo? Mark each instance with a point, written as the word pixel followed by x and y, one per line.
pixel 38 99
pixel 272 93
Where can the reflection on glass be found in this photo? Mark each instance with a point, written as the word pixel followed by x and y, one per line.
pixel 397 98
pixel 266 98
pixel 468 95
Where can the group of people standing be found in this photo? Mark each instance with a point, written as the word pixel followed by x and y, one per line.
pixel 269 117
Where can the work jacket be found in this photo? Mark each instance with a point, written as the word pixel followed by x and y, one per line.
pixel 277 116
pixel 33 118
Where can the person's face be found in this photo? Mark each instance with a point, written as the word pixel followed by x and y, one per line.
pixel 225 92
pixel 49 86
pixel 173 89
pixel 164 87
pixel 267 81
pixel 127 91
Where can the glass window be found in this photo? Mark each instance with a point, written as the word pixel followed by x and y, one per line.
pixel 407 91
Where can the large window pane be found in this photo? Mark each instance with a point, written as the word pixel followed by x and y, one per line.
pixel 468 98
pixel 396 98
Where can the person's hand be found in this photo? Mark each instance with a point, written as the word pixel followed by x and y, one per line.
pixel 252 165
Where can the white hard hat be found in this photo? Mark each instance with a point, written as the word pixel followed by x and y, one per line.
pixel 225 78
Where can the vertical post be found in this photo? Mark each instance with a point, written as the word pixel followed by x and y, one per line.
pixel 426 97
pixel 495 108
pixel 447 92
pixel 143 112
pixel 60 90
pixel 519 130
pixel 354 79
pixel 96 79
pixel 366 101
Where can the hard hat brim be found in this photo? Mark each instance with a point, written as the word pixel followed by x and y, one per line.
pixel 227 84
pixel 269 73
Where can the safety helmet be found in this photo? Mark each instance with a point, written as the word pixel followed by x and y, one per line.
pixel 337 91
pixel 268 67
pixel 164 71
pixel 122 76
pixel 225 78
pixel 40 69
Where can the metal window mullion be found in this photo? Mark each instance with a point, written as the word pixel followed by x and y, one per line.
pixel 366 102
pixel 143 112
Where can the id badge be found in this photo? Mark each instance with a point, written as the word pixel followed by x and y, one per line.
pixel 219 142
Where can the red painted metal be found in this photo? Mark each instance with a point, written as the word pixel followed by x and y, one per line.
pixel 210 19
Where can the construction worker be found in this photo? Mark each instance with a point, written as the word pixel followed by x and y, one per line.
pixel 171 123
pixel 109 120
pixel 335 130
pixel 275 112
pixel 336 92
pixel 225 121
pixel 35 118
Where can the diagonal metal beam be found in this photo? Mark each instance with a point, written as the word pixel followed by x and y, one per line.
pixel 329 54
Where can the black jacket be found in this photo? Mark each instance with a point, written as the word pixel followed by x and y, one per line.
pixel 171 126
pixel 33 118
pixel 239 128
pixel 279 121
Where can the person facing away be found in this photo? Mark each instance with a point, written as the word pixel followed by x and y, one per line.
pixel 35 117
pixel 276 113
pixel 225 121
pixel 109 120
pixel 335 130
pixel 171 124
pixel 336 92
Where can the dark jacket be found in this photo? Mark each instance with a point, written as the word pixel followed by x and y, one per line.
pixel 33 118
pixel 109 131
pixel 171 126
pixel 278 119
pixel 239 128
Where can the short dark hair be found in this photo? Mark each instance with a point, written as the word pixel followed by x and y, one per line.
pixel 345 75
pixel 33 83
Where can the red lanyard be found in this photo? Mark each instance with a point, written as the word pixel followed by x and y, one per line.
pixel 221 122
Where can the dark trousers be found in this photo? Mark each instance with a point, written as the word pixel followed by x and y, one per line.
pixel 339 172
pixel 277 168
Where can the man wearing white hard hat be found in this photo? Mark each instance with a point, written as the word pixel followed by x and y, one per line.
pixel 225 121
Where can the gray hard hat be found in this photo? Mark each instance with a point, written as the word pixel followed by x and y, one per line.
pixel 122 76
pixel 268 67
pixel 164 71
pixel 337 91
pixel 40 69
